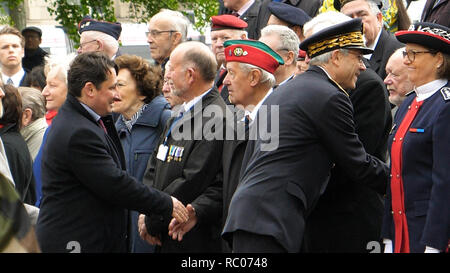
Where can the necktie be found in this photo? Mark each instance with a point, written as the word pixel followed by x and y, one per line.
pixel 9 81
pixel 221 78
pixel 100 121
pixel 247 120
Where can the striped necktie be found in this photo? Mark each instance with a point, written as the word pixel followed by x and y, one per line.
pixel 9 81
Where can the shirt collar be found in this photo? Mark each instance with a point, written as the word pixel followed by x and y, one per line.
pixel 188 105
pixel 368 56
pixel 16 78
pixel 91 112
pixel 427 90
pixel 245 7
pixel 252 114
pixel 286 80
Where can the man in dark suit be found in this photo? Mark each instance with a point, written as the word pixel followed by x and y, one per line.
pixel 348 214
pixel 12 46
pixel 377 38
pixel 279 186
pixel 250 83
pixel 86 189
pixel 188 161
pixel 223 28
pixel 437 11
pixel 248 10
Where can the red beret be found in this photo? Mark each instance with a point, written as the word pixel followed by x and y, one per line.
pixel 252 52
pixel 301 54
pixel 227 21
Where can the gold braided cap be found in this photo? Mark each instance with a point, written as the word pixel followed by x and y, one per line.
pixel 339 41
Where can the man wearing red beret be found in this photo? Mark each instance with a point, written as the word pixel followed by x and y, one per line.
pixel 224 27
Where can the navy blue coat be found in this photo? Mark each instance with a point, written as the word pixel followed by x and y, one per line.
pixel 86 190
pixel 426 175
pixel 138 146
pixel 279 188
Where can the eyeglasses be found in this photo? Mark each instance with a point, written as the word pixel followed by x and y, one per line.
pixel 83 44
pixel 156 33
pixel 411 54
pixel 358 55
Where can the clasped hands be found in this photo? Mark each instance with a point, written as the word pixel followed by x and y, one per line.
pixel 184 219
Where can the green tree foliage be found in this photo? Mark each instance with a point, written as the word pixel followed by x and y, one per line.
pixel 143 10
pixel 16 16
pixel 69 12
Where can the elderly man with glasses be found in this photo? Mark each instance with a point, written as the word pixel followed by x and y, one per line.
pixel 166 30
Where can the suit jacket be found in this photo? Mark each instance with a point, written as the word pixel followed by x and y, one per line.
pixel 425 173
pixel 195 178
pixel 439 14
pixel 232 157
pixel 218 81
pixel 86 189
pixel 254 16
pixel 386 45
pixel 349 215
pixel 279 188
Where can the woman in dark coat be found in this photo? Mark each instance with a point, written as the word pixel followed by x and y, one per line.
pixel 143 115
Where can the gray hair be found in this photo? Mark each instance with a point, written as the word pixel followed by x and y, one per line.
pixel 265 75
pixel 56 62
pixel 179 22
pixel 324 58
pixel 288 38
pixel 33 99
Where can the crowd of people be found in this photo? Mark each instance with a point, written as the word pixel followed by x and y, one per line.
pixel 314 126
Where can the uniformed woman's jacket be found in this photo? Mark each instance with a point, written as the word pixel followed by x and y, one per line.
pixel 425 173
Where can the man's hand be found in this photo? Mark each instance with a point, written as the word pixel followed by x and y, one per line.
pixel 144 234
pixel 179 212
pixel 177 229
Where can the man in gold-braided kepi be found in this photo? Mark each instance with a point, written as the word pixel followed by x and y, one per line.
pixel 279 185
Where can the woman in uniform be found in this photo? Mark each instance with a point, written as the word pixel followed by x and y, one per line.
pixel 417 208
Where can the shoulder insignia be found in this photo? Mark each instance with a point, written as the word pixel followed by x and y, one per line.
pixel 445 91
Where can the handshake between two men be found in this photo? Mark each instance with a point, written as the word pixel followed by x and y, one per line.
pixel 184 219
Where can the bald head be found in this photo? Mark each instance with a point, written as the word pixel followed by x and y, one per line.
pixel 397 81
pixel 198 55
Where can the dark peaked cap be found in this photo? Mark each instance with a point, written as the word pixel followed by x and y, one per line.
pixel 112 29
pixel 347 35
pixel 227 21
pixel 34 29
pixel 288 13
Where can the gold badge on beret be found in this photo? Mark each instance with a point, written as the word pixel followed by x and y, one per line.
pixel 238 51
